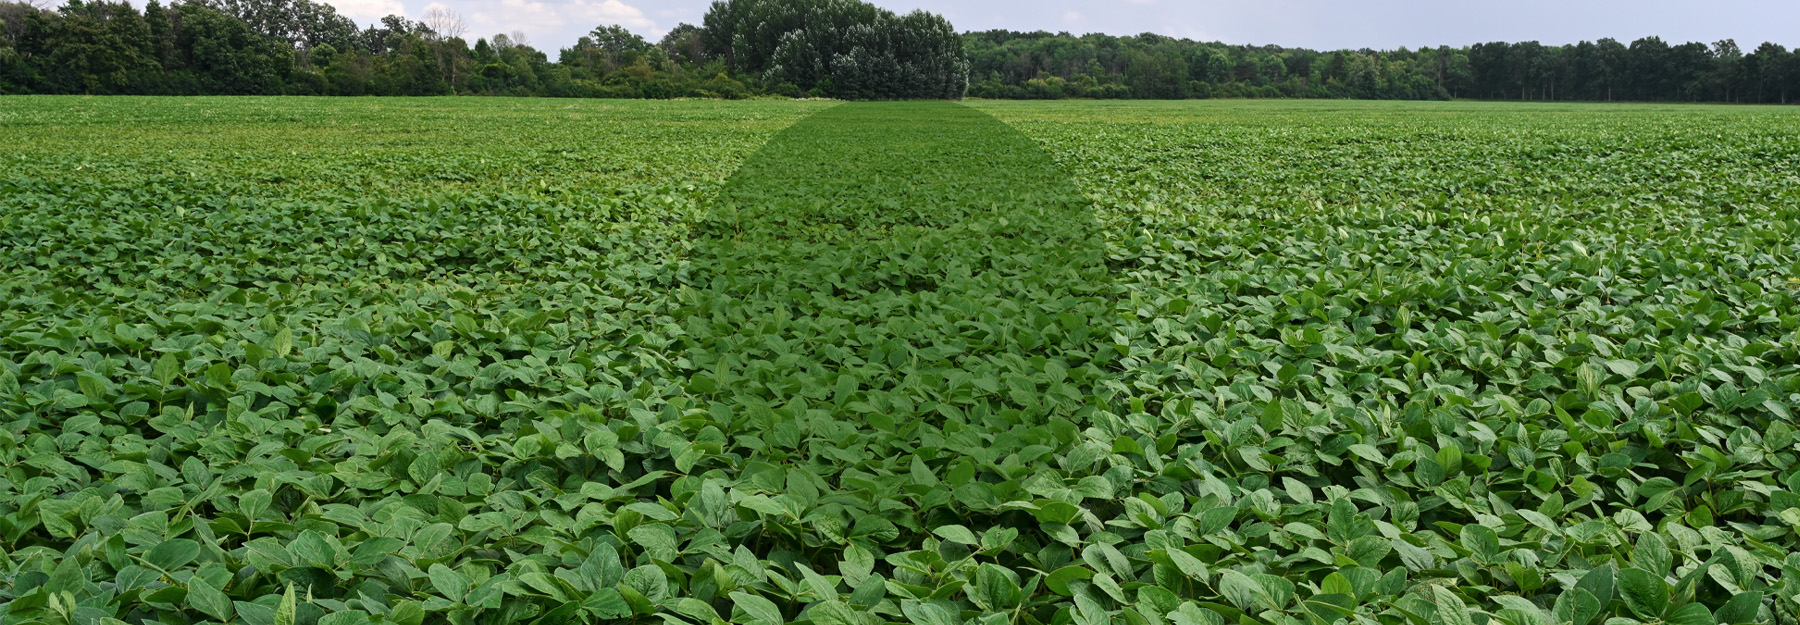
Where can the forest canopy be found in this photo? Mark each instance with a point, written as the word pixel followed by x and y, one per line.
pixel 840 48
pixel 845 49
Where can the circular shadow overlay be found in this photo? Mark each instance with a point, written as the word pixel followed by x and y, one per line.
pixel 894 265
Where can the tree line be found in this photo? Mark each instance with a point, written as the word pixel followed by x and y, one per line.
pixel 303 47
pixel 823 48
pixel 837 48
pixel 1006 64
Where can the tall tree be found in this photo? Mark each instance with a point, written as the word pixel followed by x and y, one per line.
pixel 847 48
pixel 302 23
pixel 226 56
pixel 444 23
pixel 1727 73
pixel 685 44
pixel 1766 68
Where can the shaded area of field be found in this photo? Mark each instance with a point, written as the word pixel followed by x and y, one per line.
pixel 904 293
pixel 891 299
pixel 897 257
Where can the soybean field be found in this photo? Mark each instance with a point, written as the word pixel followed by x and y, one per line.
pixel 294 361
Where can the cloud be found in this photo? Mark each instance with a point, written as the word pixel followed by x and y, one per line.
pixel 549 24
pixel 544 19
pixel 1074 18
pixel 368 11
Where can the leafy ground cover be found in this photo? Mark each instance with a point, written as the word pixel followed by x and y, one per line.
pixel 297 361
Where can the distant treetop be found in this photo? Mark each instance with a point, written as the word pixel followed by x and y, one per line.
pixel 839 48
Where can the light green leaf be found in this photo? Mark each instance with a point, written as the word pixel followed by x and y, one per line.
pixel 1450 608
pixel 757 609
pixel 956 534
pixel 285 612
pixel 450 583
pixel 204 597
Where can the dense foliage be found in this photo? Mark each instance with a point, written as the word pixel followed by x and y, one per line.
pixel 495 361
pixel 840 48
pixel 831 48
pixel 304 48
pixel 1042 65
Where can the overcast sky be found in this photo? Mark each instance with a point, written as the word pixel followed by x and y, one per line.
pixel 1319 24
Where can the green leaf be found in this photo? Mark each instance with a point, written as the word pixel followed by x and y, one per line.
pixel 1657 492
pixel 648 581
pixel 1215 520
pixel 1652 555
pixel 696 609
pixel 1192 614
pixel 956 534
pixel 1450 608
pixel 833 613
pixel 56 524
pixel 606 603
pixel 253 503
pixel 1369 551
pixel 1241 591
pixel 285 612
pixel 602 568
pixel 1330 608
pixel 1576 606
pixel 346 617
pixel 1413 557
pixel 284 342
pixel 1058 581
pixel 858 563
pixel 166 369
pixel 406 613
pixel 922 613
pixel 756 609
pixel 1341 524
pixel 1297 490
pixel 1482 541
pixel 450 583
pixel 1645 594
pixel 1599 582
pixel 173 554
pixel 1690 614
pixel 1188 564
pixel 998 539
pixel 1742 608
pixel 1450 458
pixel 1369 453
pixel 1127 445
pixel 1623 367
pixel 653 511
pixel 562 613
pixel 1253 458
pixel 311 548
pixel 996 588
pixel 204 597
pixel 822 589
pixel 658 541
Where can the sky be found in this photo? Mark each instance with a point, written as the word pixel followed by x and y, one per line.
pixel 1319 24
